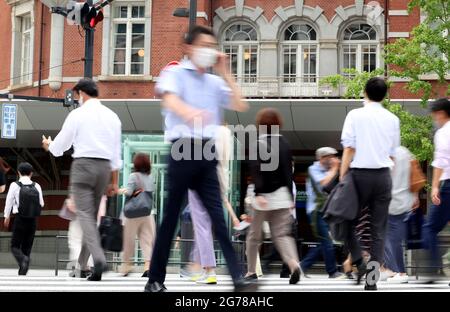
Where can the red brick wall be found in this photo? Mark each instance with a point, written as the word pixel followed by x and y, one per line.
pixel 167 33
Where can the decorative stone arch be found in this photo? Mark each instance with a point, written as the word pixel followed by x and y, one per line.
pixel 254 16
pixel 312 16
pixel 358 12
pixel 297 20
pixel 236 20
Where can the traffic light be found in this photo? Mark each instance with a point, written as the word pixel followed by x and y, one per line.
pixel 90 17
pixel 68 99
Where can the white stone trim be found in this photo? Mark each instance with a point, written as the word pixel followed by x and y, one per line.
pixel 202 15
pixel 281 13
pixel 398 34
pixel 299 7
pixel 398 13
pixel 239 7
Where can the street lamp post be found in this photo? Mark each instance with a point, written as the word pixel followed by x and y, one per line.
pixel 191 13
pixel 88 49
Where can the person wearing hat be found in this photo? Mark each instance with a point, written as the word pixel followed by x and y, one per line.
pixel 321 173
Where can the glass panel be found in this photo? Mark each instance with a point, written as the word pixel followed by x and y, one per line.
pixel 137 41
pixel 349 56
pixel 137 11
pixel 138 28
pixel 137 69
pixel 300 32
pixel 232 52
pixel 121 12
pixel 290 63
pixel 119 69
pixel 121 41
pixel 360 32
pixel 119 55
pixel 26 23
pixel 121 28
pixel 241 32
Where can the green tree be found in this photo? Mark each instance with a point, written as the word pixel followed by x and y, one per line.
pixel 415 130
pixel 426 52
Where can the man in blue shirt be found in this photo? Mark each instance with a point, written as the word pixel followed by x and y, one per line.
pixel 193 101
pixel 321 173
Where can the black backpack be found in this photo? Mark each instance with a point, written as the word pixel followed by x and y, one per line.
pixel 29 203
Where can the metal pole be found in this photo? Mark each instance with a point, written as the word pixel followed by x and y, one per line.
pixel 88 48
pixel 386 33
pixel 192 14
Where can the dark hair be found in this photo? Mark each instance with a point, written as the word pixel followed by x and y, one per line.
pixel 376 89
pixel 25 169
pixel 142 163
pixel 196 32
pixel 269 117
pixel 88 86
pixel 442 104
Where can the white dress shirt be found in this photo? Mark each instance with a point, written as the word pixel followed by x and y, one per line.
pixel 442 151
pixel 374 133
pixel 402 198
pixel 94 131
pixel 12 199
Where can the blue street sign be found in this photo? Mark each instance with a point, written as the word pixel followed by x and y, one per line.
pixel 9 121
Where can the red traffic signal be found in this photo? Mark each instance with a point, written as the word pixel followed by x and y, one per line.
pixel 97 19
pixel 90 17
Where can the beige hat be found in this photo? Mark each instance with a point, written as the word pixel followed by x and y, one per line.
pixel 325 151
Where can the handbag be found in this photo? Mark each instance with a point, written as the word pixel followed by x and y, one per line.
pixel 417 177
pixel 66 214
pixel 111 230
pixel 139 204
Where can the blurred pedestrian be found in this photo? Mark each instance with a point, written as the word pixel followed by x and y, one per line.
pixel 273 199
pixel 193 101
pixel 439 214
pixel 94 131
pixel 141 180
pixel 403 201
pixel 324 171
pixel 4 168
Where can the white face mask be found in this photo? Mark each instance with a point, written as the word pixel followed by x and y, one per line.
pixel 80 100
pixel 204 57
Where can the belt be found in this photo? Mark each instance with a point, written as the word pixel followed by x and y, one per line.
pixel 370 169
pixel 93 158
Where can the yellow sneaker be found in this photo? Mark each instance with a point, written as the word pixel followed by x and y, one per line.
pixel 207 279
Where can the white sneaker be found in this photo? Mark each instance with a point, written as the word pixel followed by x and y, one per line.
pixel 398 279
pixel 385 275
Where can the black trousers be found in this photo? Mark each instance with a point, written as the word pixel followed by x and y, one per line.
pixel 200 176
pixel 22 237
pixel 374 187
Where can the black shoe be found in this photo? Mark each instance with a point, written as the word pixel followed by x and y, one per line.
pixel 370 287
pixel 244 285
pixel 285 275
pixel 295 277
pixel 80 273
pixel 349 275
pixel 23 268
pixel 362 270
pixel 155 287
pixel 97 272
pixel 145 274
pixel 253 277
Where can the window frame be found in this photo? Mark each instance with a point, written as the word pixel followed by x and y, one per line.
pixel 129 21
pixel 241 46
pixel 359 45
pixel 26 72
pixel 300 45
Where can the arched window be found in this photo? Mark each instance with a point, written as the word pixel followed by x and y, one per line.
pixel 360 49
pixel 240 43
pixel 299 53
